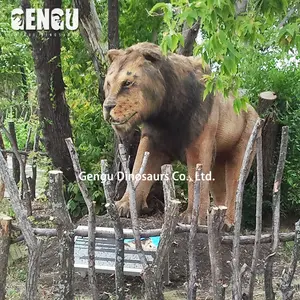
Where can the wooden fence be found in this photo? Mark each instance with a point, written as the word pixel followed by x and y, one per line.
pixel 152 273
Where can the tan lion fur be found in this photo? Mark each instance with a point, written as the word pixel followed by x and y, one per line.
pixel 164 94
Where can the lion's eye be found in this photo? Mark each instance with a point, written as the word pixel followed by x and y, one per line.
pixel 127 83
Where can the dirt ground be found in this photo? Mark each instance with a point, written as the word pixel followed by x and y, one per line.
pixel 134 285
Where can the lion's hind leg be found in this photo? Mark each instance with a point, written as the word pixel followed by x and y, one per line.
pixel 233 169
pixel 201 151
pixel 218 183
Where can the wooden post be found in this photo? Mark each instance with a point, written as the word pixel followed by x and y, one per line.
pixel 286 287
pixel 268 274
pixel 152 275
pixel 215 222
pixel 65 229
pixel 119 234
pixel 132 203
pixel 258 227
pixel 236 274
pixel 35 246
pixel 15 162
pixel 192 285
pixel 5 231
pixel 91 217
pixel 271 129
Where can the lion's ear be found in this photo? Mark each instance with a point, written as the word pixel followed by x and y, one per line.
pixel 113 53
pixel 150 51
pixel 152 55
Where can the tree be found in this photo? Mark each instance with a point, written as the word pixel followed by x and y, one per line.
pixel 228 31
pixel 91 30
pixel 53 109
pixel 113 24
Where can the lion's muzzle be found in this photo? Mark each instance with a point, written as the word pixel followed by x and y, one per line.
pixel 108 105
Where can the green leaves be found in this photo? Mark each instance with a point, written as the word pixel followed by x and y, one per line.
pixel 170 42
pixel 240 104
pixel 230 65
pixel 228 38
pixel 289 36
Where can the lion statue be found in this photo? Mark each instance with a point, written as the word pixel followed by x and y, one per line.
pixel 164 95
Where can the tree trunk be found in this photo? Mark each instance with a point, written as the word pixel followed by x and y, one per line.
pixel 270 135
pixel 2 187
pixel 53 108
pixel 113 24
pixel 25 93
pixel 91 30
pixel 189 35
pixel 15 162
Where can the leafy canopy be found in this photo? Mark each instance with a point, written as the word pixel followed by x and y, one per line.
pixel 227 34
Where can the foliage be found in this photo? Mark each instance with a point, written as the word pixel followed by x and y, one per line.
pixel 245 50
pixel 270 70
pixel 226 36
pixel 92 136
pixel 135 23
pixel 249 50
pixel 15 61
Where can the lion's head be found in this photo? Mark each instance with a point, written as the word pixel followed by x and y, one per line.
pixel 134 86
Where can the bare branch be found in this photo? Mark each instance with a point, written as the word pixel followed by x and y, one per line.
pixel 192 285
pixel 34 245
pixel 236 279
pixel 259 200
pixel 27 194
pixel 142 169
pixel 240 6
pixel 65 235
pixel 287 277
pixel 119 235
pixel 91 217
pixel 269 293
pixel 133 211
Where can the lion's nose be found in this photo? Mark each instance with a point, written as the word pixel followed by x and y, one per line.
pixel 107 107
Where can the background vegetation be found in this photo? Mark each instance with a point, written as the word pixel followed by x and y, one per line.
pixel 256 49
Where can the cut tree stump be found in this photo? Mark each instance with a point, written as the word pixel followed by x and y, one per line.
pixel 215 221
pixel 5 231
pixel 270 136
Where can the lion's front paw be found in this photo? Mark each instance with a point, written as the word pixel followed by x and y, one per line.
pixel 186 217
pixel 123 208
pixel 228 225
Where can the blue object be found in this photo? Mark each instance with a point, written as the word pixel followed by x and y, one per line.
pixel 154 239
